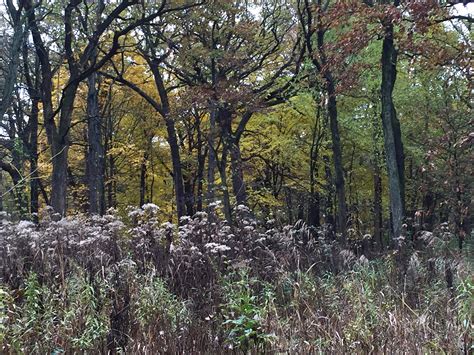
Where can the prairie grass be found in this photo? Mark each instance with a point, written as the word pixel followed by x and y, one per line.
pixel 103 285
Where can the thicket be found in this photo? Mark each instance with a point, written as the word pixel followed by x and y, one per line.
pixel 138 285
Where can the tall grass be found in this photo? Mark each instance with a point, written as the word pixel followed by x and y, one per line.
pixel 102 284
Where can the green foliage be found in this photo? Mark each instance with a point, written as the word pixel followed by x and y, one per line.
pixel 6 301
pixel 85 313
pixel 50 318
pixel 156 307
pixel 465 303
pixel 245 310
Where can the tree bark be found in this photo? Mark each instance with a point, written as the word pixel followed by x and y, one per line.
pixel 289 204
pixel 200 172
pixel 59 151
pixel 177 169
pixel 314 210
pixel 95 152
pixel 188 194
pixel 143 178
pixel 171 138
pixel 238 183
pixel 111 184
pixel 328 204
pixel 109 161
pixel 1 190
pixel 211 164
pixel 33 150
pixel 224 187
pixel 32 86
pixel 377 214
pixel 231 147
pixel 314 207
pixel 311 25
pixel 17 190
pixel 337 158
pixel 392 133
pixel 14 49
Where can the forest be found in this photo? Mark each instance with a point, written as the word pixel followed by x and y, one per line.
pixel 235 176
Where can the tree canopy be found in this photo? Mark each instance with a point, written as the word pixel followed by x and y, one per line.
pixel 352 113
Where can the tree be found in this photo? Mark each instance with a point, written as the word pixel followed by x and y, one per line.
pixel 12 53
pixel 391 125
pixel 80 61
pixel 242 63
pixel 314 32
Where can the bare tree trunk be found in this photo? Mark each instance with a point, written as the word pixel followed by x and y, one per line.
pixel 238 183
pixel 111 184
pixel 177 168
pixel 211 164
pixel 1 190
pixel 143 176
pixel 377 180
pixel 378 208
pixel 224 188
pixel 328 205
pixel 32 139
pixel 392 133
pixel 200 176
pixel 18 159
pixel 171 137
pixel 337 158
pixel 314 209
pixel 12 170
pixel 59 178
pixel 13 57
pixel 95 152
pixel 313 25
pixel 33 150
pixel 289 204
pixel 59 152
pixel 188 194
pixel 231 146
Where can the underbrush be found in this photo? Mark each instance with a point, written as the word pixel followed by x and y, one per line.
pixel 103 284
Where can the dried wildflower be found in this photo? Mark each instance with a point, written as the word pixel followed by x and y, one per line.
pixel 216 248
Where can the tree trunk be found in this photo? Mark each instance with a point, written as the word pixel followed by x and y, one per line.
pixel 17 164
pixel 392 133
pixel 314 209
pixel 60 150
pixel 289 205
pixel 238 183
pixel 337 158
pixel 17 191
pixel 189 194
pixel 377 208
pixel 328 205
pixel 171 137
pixel 33 150
pixel 109 163
pixel 1 190
pixel 200 178
pixel 201 163
pixel 225 189
pixel 10 74
pixel 211 164
pixel 59 178
pixel 95 153
pixel 177 169
pixel 111 184
pixel 143 175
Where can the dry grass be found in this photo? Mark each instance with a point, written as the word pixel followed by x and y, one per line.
pixel 101 285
